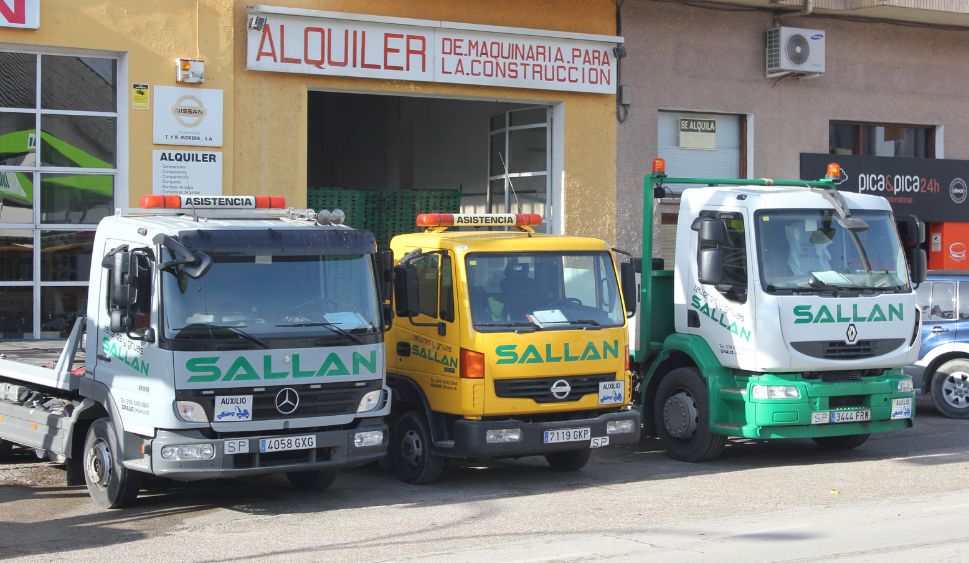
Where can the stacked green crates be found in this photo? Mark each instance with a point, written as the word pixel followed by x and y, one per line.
pixel 385 213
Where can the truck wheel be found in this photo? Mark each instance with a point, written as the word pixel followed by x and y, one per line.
pixel 841 442
pixel 411 451
pixel 950 388
pixel 682 416
pixel 316 480
pixel 109 483
pixel 5 448
pixel 569 461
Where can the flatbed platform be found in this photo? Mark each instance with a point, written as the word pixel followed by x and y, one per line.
pixel 39 353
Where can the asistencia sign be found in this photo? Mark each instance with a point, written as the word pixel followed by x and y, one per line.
pixel 932 189
pixel 339 44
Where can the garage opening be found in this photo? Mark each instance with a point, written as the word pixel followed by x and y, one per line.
pixel 383 159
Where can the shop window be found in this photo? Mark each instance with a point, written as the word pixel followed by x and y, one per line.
pixel 58 162
pixel 874 139
pixel 518 171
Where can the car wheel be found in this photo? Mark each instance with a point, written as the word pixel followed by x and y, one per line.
pixel 841 442
pixel 682 416
pixel 573 460
pixel 316 480
pixel 950 388
pixel 109 483
pixel 411 451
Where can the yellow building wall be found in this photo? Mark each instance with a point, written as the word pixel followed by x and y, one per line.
pixel 265 114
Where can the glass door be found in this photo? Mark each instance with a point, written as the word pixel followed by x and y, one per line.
pixel 519 163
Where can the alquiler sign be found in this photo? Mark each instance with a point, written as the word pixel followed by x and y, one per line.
pixel 931 189
pixel 338 44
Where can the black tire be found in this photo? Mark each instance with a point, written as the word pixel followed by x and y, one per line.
pixel 411 451
pixel 841 442
pixel 108 482
pixel 5 448
pixel 950 388
pixel 573 460
pixel 681 413
pixel 315 480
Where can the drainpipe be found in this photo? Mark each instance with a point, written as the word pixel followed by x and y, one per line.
pixel 808 8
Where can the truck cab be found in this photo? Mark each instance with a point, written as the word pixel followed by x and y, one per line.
pixel 224 337
pixel 507 343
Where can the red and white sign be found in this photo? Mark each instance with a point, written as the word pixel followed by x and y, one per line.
pixel 430 51
pixel 20 13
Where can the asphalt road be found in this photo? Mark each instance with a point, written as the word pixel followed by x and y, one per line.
pixel 901 496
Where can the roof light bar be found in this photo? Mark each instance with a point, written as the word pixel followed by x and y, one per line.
pixel 479 220
pixel 212 202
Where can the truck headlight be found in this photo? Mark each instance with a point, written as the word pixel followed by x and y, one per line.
pixel 188 453
pixel 503 435
pixel 368 438
pixel 619 426
pixel 369 401
pixel 190 411
pixel 905 385
pixel 775 392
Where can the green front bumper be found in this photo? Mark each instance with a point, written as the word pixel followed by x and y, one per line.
pixel 739 414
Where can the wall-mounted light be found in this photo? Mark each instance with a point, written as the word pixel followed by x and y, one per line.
pixel 190 71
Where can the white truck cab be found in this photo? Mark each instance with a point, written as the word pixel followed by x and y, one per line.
pixel 223 337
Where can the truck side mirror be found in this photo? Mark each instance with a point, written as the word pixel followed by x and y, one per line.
pixel 627 279
pixel 911 233
pixel 917 264
pixel 385 262
pixel 710 230
pixel 406 297
pixel 124 279
pixel 709 265
pixel 121 321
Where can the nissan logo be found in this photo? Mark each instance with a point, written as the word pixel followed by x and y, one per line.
pixel 287 400
pixel 561 389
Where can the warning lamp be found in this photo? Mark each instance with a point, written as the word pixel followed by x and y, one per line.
pixel 479 220
pixel 212 202
pixel 659 166
pixel 472 364
pixel 189 71
pixel 834 171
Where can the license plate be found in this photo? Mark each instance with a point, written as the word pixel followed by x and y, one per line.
pixel 901 408
pixel 567 435
pixel 835 417
pixel 232 447
pixel 287 443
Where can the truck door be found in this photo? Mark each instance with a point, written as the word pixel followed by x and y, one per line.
pixel 938 302
pixel 428 351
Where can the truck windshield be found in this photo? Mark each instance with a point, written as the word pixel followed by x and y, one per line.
pixel 271 300
pixel 809 250
pixel 543 290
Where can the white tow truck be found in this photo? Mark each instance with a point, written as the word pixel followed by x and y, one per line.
pixel 224 336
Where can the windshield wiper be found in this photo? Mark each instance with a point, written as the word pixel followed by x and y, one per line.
pixel 332 326
pixel 514 324
pixel 239 332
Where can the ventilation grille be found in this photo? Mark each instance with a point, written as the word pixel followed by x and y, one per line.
pixel 840 350
pixel 773 50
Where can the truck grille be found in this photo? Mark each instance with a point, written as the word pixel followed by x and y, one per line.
pixel 322 399
pixel 539 389
pixel 840 350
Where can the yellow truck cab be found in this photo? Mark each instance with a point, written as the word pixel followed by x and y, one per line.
pixel 509 343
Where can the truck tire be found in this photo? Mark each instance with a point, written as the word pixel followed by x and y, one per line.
pixel 316 480
pixel 411 451
pixel 5 448
pixel 950 388
pixel 681 412
pixel 841 442
pixel 109 483
pixel 573 460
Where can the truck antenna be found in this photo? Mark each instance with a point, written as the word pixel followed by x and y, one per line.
pixel 510 183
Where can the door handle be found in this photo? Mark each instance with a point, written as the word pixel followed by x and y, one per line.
pixel 104 358
pixel 939 329
pixel 403 349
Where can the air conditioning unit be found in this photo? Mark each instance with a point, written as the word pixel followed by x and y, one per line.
pixel 795 51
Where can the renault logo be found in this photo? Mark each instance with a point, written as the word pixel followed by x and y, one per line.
pixel 561 389
pixel 287 400
pixel 851 334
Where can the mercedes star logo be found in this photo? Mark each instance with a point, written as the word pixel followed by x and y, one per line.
pixel 851 334
pixel 287 400
pixel 561 389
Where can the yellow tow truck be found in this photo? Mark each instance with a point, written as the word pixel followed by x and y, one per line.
pixel 509 343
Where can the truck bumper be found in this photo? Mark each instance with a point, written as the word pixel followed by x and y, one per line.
pixel 471 436
pixel 887 408
pixel 334 449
